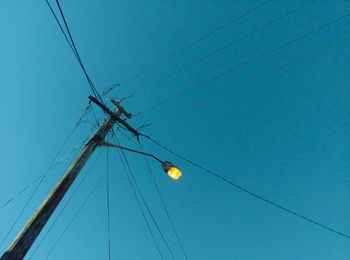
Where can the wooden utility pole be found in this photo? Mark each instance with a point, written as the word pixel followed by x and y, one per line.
pixel 24 240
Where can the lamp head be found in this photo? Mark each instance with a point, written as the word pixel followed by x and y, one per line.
pixel 171 170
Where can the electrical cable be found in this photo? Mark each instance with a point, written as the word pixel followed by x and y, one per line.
pixel 40 176
pixel 221 92
pixel 125 135
pixel 140 207
pixel 73 47
pixel 224 47
pixel 247 62
pixel 65 206
pixel 93 89
pixel 97 121
pixel 59 24
pixel 109 89
pixel 75 52
pixel 43 176
pixel 259 197
pixel 163 204
pixel 145 203
pixel 108 213
pixel 195 42
pixel 76 214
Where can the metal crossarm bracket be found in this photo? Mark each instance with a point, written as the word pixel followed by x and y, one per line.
pixel 118 119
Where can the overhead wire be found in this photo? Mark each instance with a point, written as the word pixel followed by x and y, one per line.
pixel 108 210
pixel 76 54
pixel 62 30
pixel 255 195
pixel 125 135
pixel 65 206
pixel 72 45
pixel 220 93
pixel 163 204
pixel 140 207
pixel 93 89
pixel 247 62
pixel 76 214
pixel 145 203
pixel 205 36
pixel 242 83
pixel 231 43
pixel 41 178
pixel 97 121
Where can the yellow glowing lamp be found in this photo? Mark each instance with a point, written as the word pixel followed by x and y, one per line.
pixel 171 170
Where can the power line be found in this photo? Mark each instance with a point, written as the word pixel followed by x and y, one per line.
pixel 260 28
pixel 145 203
pixel 77 53
pixel 41 178
pixel 164 205
pixel 221 92
pixel 59 24
pixel 251 193
pixel 76 214
pixel 247 62
pixel 65 206
pixel 85 113
pixel 73 47
pixel 195 42
pixel 140 207
pixel 108 214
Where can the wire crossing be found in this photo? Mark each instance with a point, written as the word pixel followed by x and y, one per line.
pixel 257 196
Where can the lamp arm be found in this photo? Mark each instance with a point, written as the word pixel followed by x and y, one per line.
pixel 104 143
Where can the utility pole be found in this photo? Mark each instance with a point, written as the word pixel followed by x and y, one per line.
pixel 24 240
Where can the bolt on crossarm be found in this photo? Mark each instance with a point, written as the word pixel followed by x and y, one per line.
pixel 24 240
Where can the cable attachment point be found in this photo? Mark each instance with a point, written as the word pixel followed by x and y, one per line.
pixel 119 120
pixel 122 109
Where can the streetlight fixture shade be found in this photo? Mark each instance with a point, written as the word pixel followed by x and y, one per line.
pixel 171 170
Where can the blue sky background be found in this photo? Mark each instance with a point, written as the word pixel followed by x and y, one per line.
pixel 284 136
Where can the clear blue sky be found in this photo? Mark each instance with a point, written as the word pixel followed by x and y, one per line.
pixel 284 136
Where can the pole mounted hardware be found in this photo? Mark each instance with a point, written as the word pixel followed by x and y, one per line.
pixel 168 167
pixel 104 143
pixel 117 104
pixel 171 170
pixel 26 237
pixel 117 118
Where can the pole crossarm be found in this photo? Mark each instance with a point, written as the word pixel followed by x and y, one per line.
pixel 117 118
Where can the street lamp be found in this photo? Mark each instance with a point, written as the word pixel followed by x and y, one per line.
pixel 171 170
pixel 168 167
